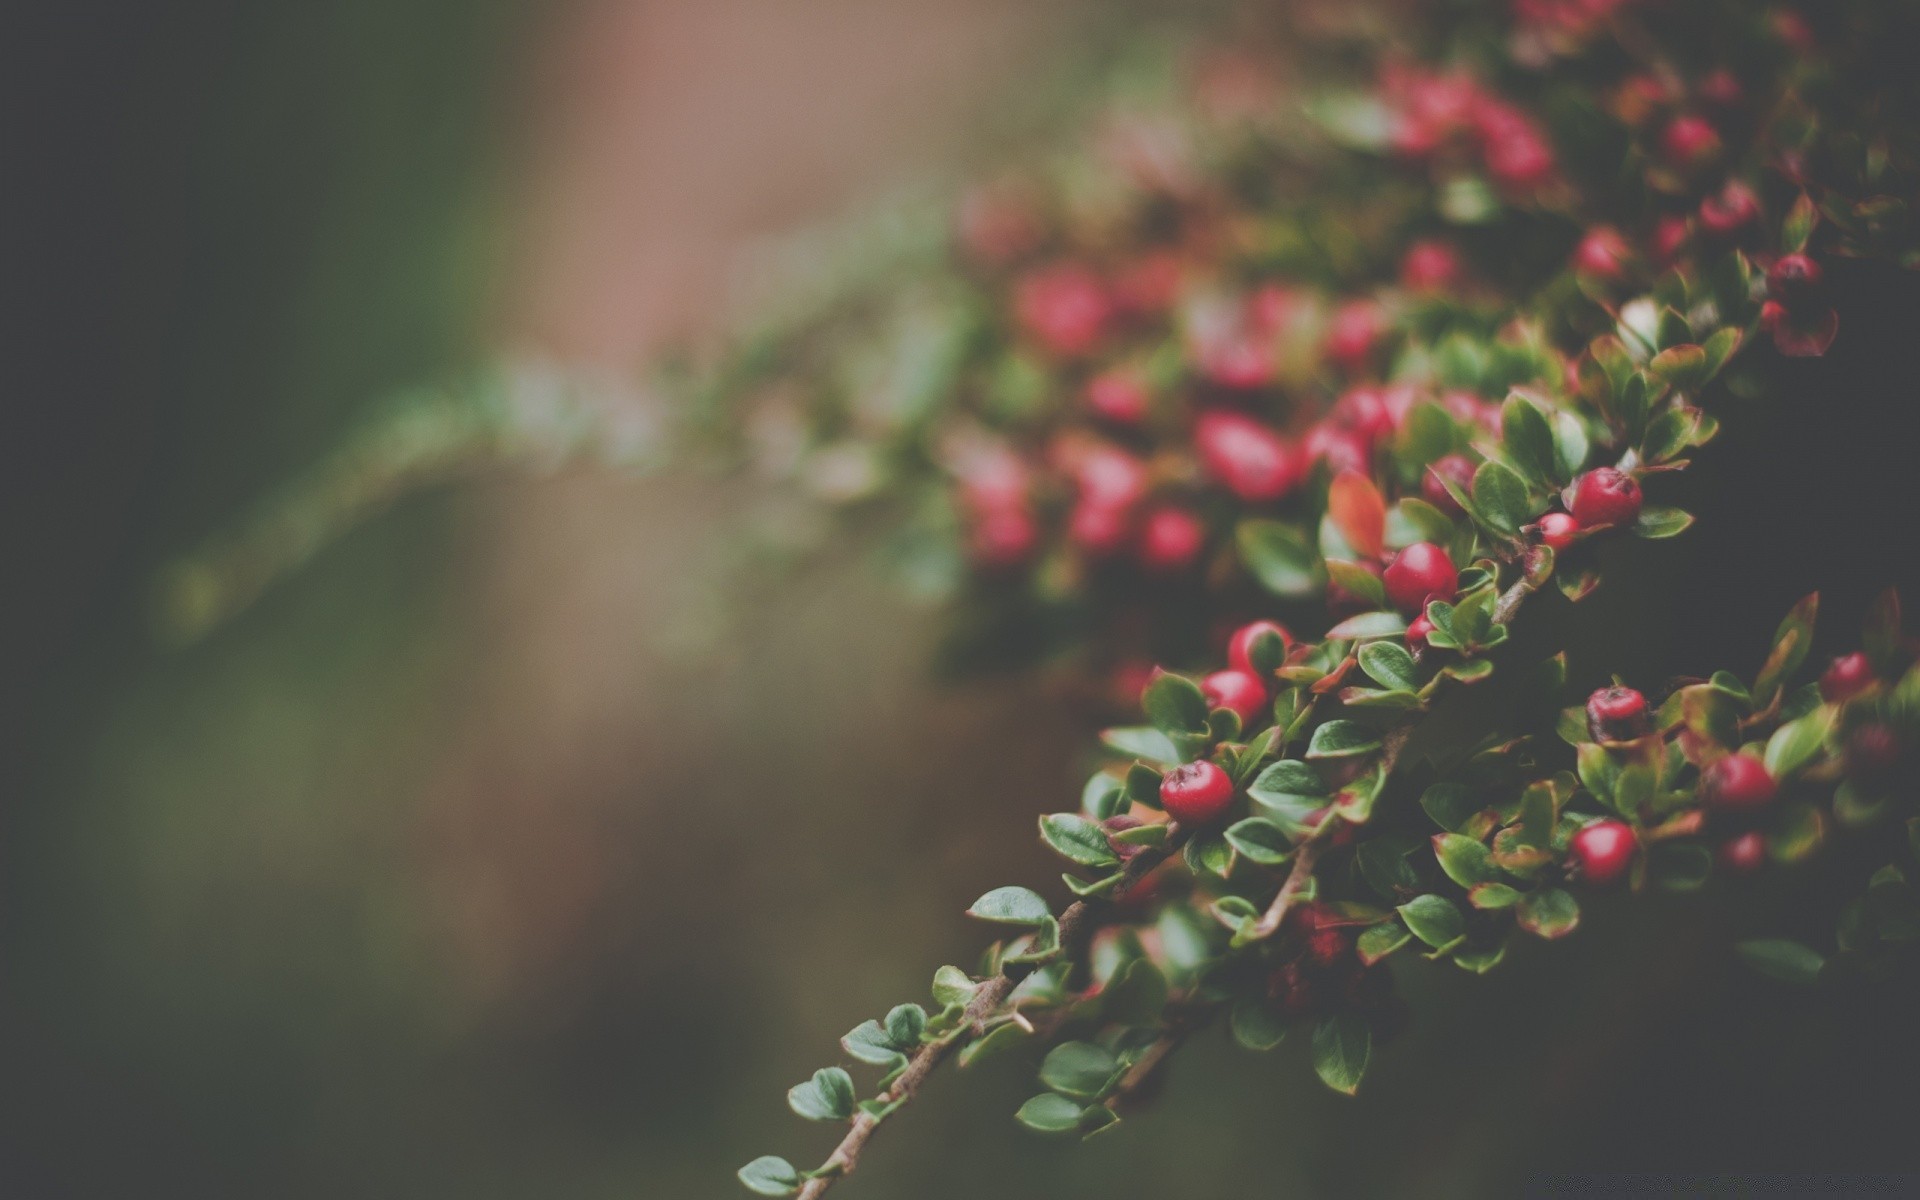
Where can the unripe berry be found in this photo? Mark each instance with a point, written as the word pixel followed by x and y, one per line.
pixel 1603 851
pixel 1118 395
pixel 1604 496
pixel 1171 539
pixel 1241 692
pixel 1793 278
pixel 1240 645
pixel 1196 793
pixel 1738 783
pixel 1417 631
pixel 1743 855
pixel 1849 675
pixel 1617 714
pixel 1249 459
pixel 1420 573
pixel 1456 469
pixel 1557 530
pixel 1602 253
pixel 1688 141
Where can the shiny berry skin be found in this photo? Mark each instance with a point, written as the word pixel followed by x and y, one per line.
pixel 1239 691
pixel 1849 675
pixel 1196 793
pixel 1118 395
pixel 1738 783
pixel 1456 469
pixel 1171 539
pixel 1420 573
pixel 1603 851
pixel 1601 254
pixel 1557 530
pixel 1617 714
pixel 1743 855
pixel 1247 458
pixel 1240 645
pixel 1064 308
pixel 1793 277
pixel 1429 266
pixel 1604 496
pixel 1689 141
pixel 1730 211
pixel 1417 631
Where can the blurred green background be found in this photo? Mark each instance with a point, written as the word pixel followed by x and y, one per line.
pixel 438 874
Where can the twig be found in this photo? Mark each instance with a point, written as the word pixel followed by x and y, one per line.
pixel 1076 928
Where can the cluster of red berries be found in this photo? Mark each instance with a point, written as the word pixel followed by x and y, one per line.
pixel 1450 119
pixel 1321 970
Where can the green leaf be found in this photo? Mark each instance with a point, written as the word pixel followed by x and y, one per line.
pixel 1551 913
pixel 905 1024
pixel 1450 805
pixel 1260 841
pixel 770 1175
pixel 1011 906
pixel 1078 839
pixel 1383 864
pixel 1719 348
pixel 869 1043
pixel 1798 226
pixel 1290 790
pixel 1501 498
pixel 1790 645
pixel 1103 796
pixel 1679 867
pixel 1390 664
pixel 1492 896
pixel 1528 440
pixel 1364 585
pixel 1256 1026
pixel 1465 860
pixel 952 986
pixel 1143 785
pixel 1049 1113
pixel 1434 920
pixel 1683 366
pixel 1659 521
pixel 1797 741
pixel 1141 741
pixel 1599 773
pixel 1782 959
pixel 1358 120
pixel 1381 940
pixel 1368 626
pixel 1342 1044
pixel 1278 557
pixel 1138 995
pixel 1570 444
pixel 1174 704
pixel 998 1040
pixel 1079 1069
pixel 1343 739
pixel 828 1096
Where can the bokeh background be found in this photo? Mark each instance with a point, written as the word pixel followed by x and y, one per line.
pixel 446 870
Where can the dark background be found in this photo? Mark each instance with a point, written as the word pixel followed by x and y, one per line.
pixel 433 875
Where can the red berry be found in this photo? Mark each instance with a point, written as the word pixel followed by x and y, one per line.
pixel 1737 783
pixel 1099 529
pixel 1351 336
pixel 1249 459
pixel 1198 793
pixel 1239 691
pixel 1064 308
pixel 1417 631
pixel 1617 714
pixel 1341 449
pixel 1604 496
pixel 1873 751
pixel 1603 851
pixel 1689 141
pixel 1743 855
pixel 1793 277
pixel 1429 266
pixel 1516 154
pixel 1003 536
pixel 1720 88
pixel 1728 212
pixel 1670 234
pixel 1557 530
pixel 1118 395
pixel 1456 469
pixel 1602 253
pixel 1171 539
pixel 1240 645
pixel 1108 476
pixel 1849 675
pixel 1420 573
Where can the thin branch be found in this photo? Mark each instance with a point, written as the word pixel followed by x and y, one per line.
pixel 1077 924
